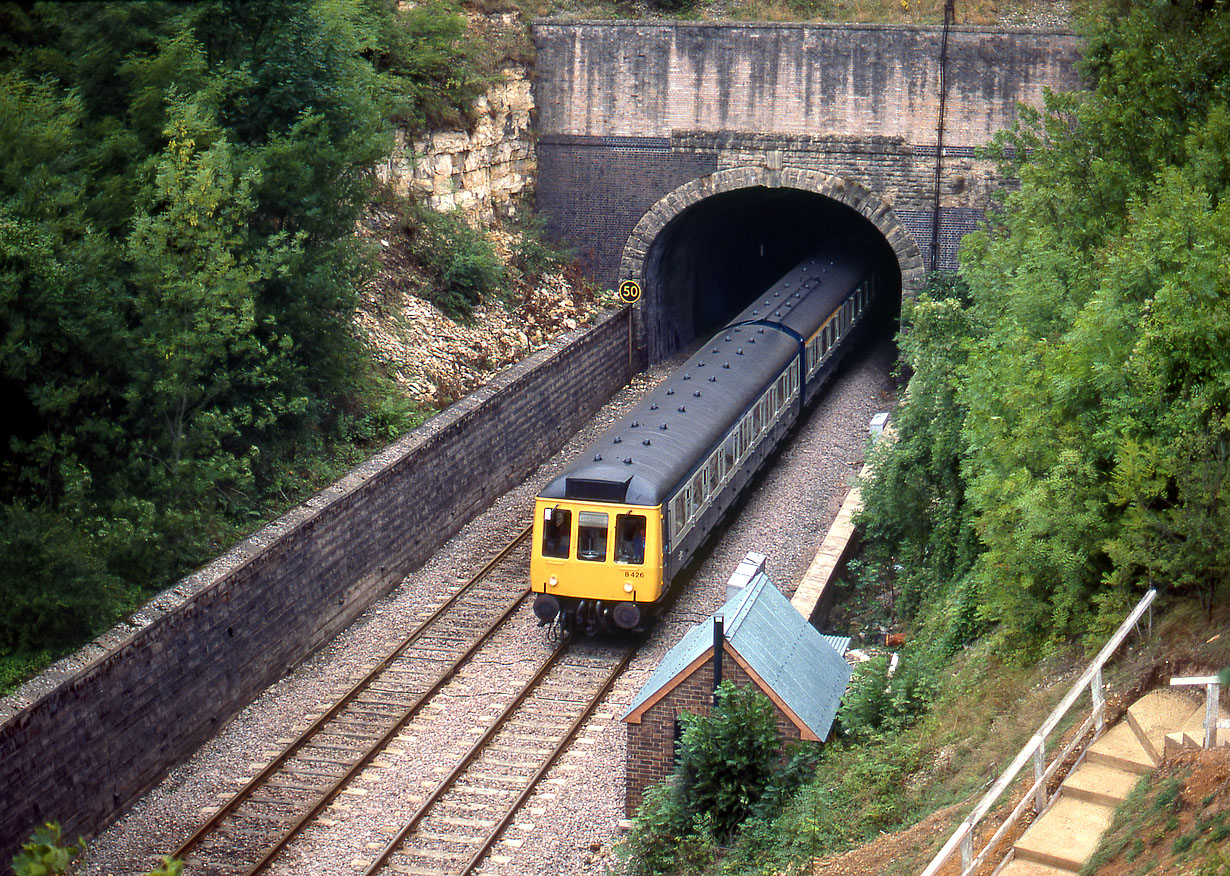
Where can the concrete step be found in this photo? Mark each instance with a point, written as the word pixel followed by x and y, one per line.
pixel 1178 740
pixel 1066 835
pixel 1121 747
pixel 1022 867
pixel 1100 783
pixel 1160 712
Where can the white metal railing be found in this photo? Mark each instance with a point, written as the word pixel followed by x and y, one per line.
pixel 1212 697
pixel 1035 750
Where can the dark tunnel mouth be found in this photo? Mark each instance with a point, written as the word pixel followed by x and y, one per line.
pixel 710 261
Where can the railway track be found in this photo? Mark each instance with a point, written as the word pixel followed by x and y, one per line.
pixel 254 825
pixel 455 826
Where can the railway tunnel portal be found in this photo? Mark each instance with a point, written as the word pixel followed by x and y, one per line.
pixel 703 251
pixel 698 158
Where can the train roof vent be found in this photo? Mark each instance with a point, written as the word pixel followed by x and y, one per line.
pixel 596 490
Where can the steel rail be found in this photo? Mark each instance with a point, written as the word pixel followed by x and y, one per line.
pixel 537 778
pixel 448 781
pixel 320 723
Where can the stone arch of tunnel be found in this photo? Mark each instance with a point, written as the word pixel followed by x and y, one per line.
pixel 707 248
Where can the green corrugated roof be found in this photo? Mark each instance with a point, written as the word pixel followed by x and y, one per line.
pixel 803 668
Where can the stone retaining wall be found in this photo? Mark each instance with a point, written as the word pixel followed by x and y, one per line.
pixel 82 741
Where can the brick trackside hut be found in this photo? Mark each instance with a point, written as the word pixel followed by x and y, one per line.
pixel 767 643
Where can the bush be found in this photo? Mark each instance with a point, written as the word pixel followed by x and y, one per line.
pixel 44 854
pixel 876 703
pixel 665 839
pixel 463 269
pixel 54 582
pixel 730 778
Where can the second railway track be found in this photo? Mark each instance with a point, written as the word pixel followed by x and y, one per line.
pixel 254 825
pixel 454 826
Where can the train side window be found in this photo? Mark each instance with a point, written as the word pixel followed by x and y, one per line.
pixel 715 476
pixel 556 532
pixel 729 454
pixel 591 536
pixel 679 513
pixel 630 539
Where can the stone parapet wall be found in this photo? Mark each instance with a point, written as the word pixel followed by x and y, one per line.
pixel 86 738
pixel 651 79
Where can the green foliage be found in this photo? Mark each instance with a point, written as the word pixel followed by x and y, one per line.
pixel 427 73
pixel 876 703
pixel 854 794
pixel 730 775
pixel 44 853
pixel 178 192
pixel 169 867
pixel 727 759
pixel 1063 443
pixel 916 517
pixel 665 839
pixel 533 255
pixel 463 268
pixel 673 6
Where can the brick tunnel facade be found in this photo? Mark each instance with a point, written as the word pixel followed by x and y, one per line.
pixel 694 156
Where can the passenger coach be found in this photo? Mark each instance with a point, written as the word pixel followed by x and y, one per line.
pixel 612 531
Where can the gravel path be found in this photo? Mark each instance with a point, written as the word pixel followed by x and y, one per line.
pixel 571 826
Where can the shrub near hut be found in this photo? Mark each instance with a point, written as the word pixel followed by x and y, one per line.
pixel 730 772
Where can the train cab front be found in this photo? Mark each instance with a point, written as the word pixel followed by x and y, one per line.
pixel 595 566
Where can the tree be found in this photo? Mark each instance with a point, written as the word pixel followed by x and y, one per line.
pixel 1079 453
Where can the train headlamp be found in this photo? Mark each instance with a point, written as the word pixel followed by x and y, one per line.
pixel 627 587
pixel 553 581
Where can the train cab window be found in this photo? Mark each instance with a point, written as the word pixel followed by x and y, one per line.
pixel 556 532
pixel 591 536
pixel 630 539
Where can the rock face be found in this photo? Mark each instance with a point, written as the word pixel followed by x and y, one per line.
pixel 485 174
pixel 480 172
